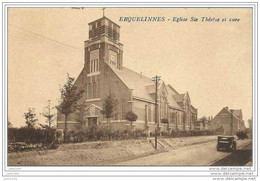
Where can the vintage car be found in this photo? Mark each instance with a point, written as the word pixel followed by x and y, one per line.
pixel 226 143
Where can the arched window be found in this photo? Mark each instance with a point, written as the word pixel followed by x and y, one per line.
pixel 94 61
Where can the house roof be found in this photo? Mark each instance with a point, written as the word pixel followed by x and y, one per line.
pixel 233 112
pixel 237 113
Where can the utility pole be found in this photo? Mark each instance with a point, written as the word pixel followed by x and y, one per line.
pixel 156 79
pixel 231 123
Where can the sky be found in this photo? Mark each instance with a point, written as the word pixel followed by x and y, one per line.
pixel 212 61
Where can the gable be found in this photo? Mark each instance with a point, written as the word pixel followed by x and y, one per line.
pixel 92 110
pixel 170 96
pixel 223 115
pixel 162 89
pixel 187 98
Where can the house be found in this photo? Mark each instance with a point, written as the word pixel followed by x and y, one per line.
pixel 228 121
pixel 103 74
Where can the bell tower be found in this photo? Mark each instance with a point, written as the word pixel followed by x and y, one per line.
pixel 103 48
pixel 103 45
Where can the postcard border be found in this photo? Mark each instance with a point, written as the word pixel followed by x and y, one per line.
pixel 253 5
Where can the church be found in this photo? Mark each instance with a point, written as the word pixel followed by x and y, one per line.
pixel 103 74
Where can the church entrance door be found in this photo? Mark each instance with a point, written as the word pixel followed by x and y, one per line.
pixel 92 121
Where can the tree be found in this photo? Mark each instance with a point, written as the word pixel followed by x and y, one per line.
pixel 131 116
pixel 70 96
pixel 30 117
pixel 80 114
pixel 109 106
pixel 203 121
pixel 10 124
pixel 47 114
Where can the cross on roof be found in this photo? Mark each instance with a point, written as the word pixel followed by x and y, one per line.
pixel 103 9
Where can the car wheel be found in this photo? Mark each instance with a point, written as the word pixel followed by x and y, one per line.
pixel 234 148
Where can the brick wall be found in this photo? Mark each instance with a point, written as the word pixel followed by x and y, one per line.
pixel 223 118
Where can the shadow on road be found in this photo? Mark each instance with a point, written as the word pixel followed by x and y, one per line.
pixel 238 158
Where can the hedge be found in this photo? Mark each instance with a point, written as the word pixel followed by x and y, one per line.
pixel 95 133
pixel 31 135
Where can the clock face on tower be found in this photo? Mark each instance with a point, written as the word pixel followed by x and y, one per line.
pixel 113 58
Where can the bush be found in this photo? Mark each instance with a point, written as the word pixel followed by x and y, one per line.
pixel 28 138
pixel 95 133
pixel 242 135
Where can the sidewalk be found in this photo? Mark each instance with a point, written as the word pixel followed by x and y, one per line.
pixel 173 143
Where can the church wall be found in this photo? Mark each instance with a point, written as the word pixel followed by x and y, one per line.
pixel 175 116
pixel 141 108
pixel 113 84
pixel 70 126
pixel 71 121
pixel 81 82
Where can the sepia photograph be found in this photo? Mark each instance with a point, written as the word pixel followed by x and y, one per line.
pixel 129 86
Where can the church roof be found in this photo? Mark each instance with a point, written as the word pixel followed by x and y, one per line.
pixel 150 88
pixel 104 17
pixel 170 97
pixel 170 87
pixel 136 81
pixel 143 87
pixel 193 109
pixel 179 97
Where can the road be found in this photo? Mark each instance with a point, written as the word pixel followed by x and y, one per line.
pixel 196 155
pixel 238 158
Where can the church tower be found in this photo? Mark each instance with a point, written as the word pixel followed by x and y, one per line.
pixel 102 49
